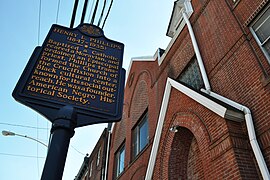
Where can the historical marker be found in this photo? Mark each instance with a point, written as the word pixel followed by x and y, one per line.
pixel 78 67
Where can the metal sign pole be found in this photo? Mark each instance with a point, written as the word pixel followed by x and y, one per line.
pixel 62 130
pixel 85 75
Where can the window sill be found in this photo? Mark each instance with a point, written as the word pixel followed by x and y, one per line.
pixel 139 155
pixel 119 175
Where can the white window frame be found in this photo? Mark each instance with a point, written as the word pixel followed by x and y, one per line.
pixel 120 162
pixel 98 156
pixel 91 169
pixel 136 135
pixel 256 37
pixel 85 175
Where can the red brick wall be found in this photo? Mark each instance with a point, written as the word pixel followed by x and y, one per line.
pixel 139 102
pixel 138 93
pixel 237 69
pixel 184 161
pixel 195 168
pixel 97 169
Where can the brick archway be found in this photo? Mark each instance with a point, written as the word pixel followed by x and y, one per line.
pixel 184 154
pixel 139 174
pixel 185 160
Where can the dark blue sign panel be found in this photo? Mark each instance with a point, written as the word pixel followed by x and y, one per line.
pixel 78 67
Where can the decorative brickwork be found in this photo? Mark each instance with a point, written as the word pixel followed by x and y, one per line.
pixel 206 146
pixel 140 102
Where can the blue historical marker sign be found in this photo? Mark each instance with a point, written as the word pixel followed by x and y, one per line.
pixel 78 67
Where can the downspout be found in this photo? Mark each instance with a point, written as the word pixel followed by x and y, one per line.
pixel 248 118
pixel 197 52
pixel 107 154
pixel 251 133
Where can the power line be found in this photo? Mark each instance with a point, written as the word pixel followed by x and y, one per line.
pixel 84 10
pixel 102 12
pixel 37 147
pixel 57 13
pixel 92 6
pixel 107 14
pixel 39 21
pixel 74 13
pixel 95 11
pixel 77 150
pixel 20 155
pixel 24 126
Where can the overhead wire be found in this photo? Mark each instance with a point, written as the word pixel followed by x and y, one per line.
pixel 56 21
pixel 24 126
pixel 102 12
pixel 90 13
pixel 84 10
pixel 107 14
pixel 71 26
pixel 39 28
pixel 74 13
pixel 38 41
pixel 94 13
pixel 37 145
pixel 77 150
pixel 91 16
pixel 57 13
pixel 39 21
pixel 20 155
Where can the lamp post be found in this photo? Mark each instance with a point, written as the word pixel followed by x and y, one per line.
pixel 9 133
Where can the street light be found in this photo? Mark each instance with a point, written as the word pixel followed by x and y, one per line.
pixel 9 133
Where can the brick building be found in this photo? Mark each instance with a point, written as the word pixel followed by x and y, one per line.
pixel 200 108
pixel 94 166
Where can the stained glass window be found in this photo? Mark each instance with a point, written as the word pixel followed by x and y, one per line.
pixel 192 75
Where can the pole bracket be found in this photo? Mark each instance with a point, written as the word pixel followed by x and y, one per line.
pixel 65 119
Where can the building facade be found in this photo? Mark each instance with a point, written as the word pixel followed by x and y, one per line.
pixel 94 165
pixel 200 109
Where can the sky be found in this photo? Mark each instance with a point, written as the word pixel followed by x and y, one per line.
pixel 140 25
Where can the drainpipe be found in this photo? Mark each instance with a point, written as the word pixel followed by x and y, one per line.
pixel 251 132
pixel 107 153
pixel 197 52
pixel 248 118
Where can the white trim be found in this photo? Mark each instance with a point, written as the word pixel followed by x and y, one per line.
pixel 187 7
pixel 189 10
pixel 260 44
pixel 251 132
pixel 211 105
pixel 142 58
pixel 98 156
pixel 256 36
pixel 169 46
pixel 112 128
pixel 153 155
pixel 91 169
pixel 107 154
pixel 197 52
pixel 85 174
